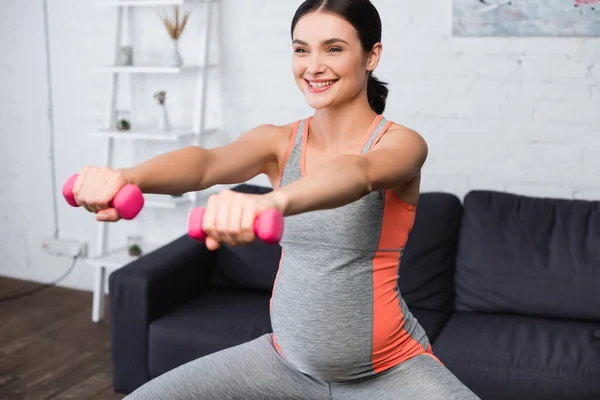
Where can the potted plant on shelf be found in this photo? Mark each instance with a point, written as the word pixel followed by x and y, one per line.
pixel 123 123
pixel 135 250
pixel 134 245
pixel 175 29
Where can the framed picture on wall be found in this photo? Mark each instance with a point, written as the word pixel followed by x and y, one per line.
pixel 526 18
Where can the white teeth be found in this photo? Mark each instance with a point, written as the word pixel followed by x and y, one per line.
pixel 320 84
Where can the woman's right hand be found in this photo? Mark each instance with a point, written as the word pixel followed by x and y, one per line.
pixel 95 187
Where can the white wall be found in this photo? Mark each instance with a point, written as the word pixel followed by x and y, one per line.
pixel 516 114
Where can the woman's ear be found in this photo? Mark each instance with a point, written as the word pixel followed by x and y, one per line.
pixel 373 56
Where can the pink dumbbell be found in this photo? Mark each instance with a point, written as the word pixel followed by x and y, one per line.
pixel 268 226
pixel 128 201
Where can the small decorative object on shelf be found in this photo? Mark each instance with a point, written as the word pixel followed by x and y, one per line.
pixel 123 123
pixel 163 119
pixel 125 56
pixel 175 29
pixel 134 246
pixel 135 250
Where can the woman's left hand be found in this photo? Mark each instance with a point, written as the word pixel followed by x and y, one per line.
pixel 229 216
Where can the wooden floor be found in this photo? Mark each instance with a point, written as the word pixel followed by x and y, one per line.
pixel 49 346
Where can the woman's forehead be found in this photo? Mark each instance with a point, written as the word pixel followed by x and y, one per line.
pixel 321 26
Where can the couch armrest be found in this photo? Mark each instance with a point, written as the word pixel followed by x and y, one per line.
pixel 141 292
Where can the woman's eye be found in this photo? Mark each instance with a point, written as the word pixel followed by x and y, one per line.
pixel 300 51
pixel 335 49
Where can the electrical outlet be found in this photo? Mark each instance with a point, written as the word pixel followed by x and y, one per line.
pixel 65 247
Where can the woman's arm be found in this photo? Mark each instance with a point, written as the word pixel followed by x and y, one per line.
pixel 396 160
pixel 188 169
pixel 195 168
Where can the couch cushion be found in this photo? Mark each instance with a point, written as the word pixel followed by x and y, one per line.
pixel 506 357
pixel 526 255
pixel 431 321
pixel 250 267
pixel 212 322
pixel 426 275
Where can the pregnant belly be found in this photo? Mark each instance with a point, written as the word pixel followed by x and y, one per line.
pixel 323 323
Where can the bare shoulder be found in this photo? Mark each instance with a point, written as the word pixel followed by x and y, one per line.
pixel 273 141
pixel 405 149
pixel 267 137
pixel 276 137
pixel 403 139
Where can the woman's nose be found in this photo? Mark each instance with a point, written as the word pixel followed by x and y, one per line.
pixel 315 64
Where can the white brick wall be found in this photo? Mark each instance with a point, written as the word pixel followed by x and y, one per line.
pixel 517 114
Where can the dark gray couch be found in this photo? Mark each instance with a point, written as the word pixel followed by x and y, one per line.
pixel 507 288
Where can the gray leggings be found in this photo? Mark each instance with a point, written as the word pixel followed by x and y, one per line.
pixel 255 371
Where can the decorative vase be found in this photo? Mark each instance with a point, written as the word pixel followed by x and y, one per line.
pixel 163 119
pixel 174 59
pixel 125 55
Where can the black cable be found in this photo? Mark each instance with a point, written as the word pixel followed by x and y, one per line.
pixel 42 287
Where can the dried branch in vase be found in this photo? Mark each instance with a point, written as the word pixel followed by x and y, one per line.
pixel 161 97
pixel 175 27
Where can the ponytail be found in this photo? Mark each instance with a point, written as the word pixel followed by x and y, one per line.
pixel 376 94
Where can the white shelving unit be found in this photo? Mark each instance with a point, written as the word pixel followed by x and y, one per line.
pixel 174 135
pixel 151 69
pixel 106 260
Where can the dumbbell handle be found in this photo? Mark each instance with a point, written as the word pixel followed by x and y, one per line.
pixel 128 201
pixel 268 226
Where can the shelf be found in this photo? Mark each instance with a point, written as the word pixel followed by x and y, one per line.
pixel 141 3
pixel 149 69
pixel 165 201
pixel 146 134
pixel 174 135
pixel 119 257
